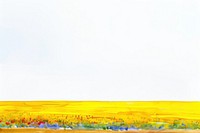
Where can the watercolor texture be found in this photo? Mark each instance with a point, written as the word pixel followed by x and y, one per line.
pixel 104 116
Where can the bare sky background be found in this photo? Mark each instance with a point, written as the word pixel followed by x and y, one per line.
pixel 99 50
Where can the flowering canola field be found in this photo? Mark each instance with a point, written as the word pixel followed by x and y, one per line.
pixel 94 115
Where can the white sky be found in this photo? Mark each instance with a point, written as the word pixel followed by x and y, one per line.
pixel 99 50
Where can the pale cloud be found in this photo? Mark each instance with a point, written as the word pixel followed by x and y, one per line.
pixel 99 50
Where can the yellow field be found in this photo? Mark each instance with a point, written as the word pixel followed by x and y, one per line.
pixel 102 113
pixel 91 131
